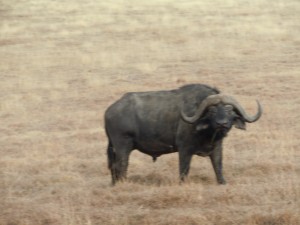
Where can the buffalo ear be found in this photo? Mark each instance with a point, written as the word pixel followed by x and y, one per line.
pixel 239 123
pixel 201 126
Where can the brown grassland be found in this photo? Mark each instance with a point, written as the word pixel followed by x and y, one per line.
pixel 63 62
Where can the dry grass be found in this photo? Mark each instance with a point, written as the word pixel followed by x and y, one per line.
pixel 63 62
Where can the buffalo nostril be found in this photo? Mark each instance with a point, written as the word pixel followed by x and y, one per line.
pixel 222 123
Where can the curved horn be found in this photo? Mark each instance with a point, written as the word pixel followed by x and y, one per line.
pixel 210 100
pixel 241 111
pixel 215 99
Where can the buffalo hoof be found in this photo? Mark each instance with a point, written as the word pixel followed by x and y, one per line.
pixel 223 182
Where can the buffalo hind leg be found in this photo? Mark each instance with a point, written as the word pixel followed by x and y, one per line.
pixel 122 149
pixel 111 158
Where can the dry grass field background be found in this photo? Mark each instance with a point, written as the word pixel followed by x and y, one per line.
pixel 62 63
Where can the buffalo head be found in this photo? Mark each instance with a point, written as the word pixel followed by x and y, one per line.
pixel 220 112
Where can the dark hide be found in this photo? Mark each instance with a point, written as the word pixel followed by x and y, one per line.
pixel 151 123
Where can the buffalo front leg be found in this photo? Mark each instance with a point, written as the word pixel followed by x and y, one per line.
pixel 185 158
pixel 216 160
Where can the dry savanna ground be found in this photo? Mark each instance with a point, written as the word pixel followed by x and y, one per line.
pixel 62 63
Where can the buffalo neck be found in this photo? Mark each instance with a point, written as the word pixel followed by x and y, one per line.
pixel 212 135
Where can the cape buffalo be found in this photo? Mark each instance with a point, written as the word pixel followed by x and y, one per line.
pixel 191 120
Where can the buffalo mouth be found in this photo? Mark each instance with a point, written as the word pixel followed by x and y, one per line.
pixel 218 133
pixel 222 126
pixel 222 129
